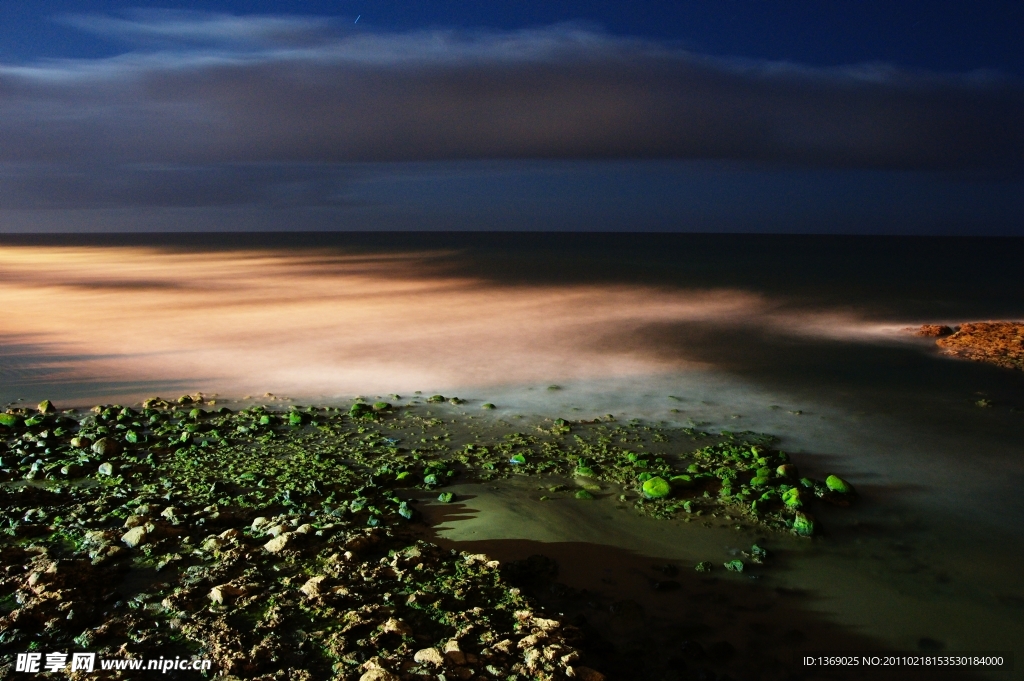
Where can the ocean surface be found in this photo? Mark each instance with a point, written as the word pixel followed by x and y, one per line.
pixel 799 336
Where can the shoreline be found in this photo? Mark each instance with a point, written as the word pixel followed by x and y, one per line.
pixel 335 490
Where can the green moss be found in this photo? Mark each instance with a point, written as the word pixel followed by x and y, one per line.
pixel 838 485
pixel 656 488
pixel 584 494
pixel 734 566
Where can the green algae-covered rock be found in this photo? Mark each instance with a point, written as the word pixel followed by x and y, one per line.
pixel 105 446
pixel 9 420
pixel 759 481
pixel 381 406
pixel 838 485
pixel 584 472
pixel 786 470
pixel 803 524
pixel 656 488
pixel 734 566
pixel 487 405
pixel 584 494
pixel 296 418
pixel 34 420
pixel 446 497
pixel 517 459
pixel 46 407
pixel 435 399
pixel 807 482
pixel 196 413
pixel 358 410
pixel 703 566
pixel 682 481
pixel 764 472
pixel 792 498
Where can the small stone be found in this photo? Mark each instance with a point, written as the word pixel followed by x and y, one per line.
pixel 312 586
pixel 396 626
pixel 106 447
pixel 656 488
pixel 838 485
pixel 46 407
pixel 378 674
pixel 278 543
pixel 429 656
pixel 106 469
pixel 134 521
pixel 135 537
pixel 453 653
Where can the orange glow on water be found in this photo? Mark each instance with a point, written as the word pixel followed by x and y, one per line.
pixel 325 323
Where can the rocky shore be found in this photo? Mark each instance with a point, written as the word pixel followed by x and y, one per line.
pixel 999 343
pixel 283 544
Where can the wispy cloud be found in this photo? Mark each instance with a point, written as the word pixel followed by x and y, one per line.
pixel 201 90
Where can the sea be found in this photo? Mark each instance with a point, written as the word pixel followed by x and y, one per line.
pixel 804 337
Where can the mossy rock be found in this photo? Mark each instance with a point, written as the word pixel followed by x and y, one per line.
pixel 585 472
pixel 656 488
pixel 792 498
pixel 381 406
pixel 584 494
pixel 359 410
pixel 517 459
pixel 787 470
pixel 838 485
pixel 764 472
pixel 9 420
pixel 644 477
pixel 435 399
pixel 703 566
pixel 46 407
pixel 803 524
pixel 487 405
pixel 296 418
pixel 734 566
pixel 759 481
pixel 446 497
pixel 682 481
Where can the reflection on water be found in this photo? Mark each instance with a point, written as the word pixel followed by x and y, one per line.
pixel 325 323
pixel 697 334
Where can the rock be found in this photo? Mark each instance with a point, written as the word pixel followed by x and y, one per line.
pixel 46 407
pixel 135 537
pixel 224 593
pixel 517 459
pixel 787 470
pixel 171 513
pixel 803 524
pixel 682 481
pixel 134 521
pixel 228 535
pixel 446 497
pixel 656 488
pixel 212 544
pixel 105 446
pixel 838 485
pixel 106 469
pixel 259 522
pixel 584 494
pixel 9 420
pixel 81 442
pixel 734 566
pixel 429 656
pixel 487 405
pixel 793 498
pixel 759 481
pixel 453 653
pixel 435 399
pixel 933 330
pixel 313 585
pixel 278 543
pixel 703 566
pixel 379 674
pixel 396 626
pixel 584 472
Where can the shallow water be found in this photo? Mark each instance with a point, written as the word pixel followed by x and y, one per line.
pixel 799 337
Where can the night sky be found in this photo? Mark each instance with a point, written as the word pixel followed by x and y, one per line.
pixel 727 116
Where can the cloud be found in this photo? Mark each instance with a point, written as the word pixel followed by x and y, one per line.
pixel 219 97
pixel 62 186
pixel 175 27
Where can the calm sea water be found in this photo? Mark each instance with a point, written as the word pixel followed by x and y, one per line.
pixel 798 336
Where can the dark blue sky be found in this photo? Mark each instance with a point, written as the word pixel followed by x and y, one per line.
pixel 878 117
